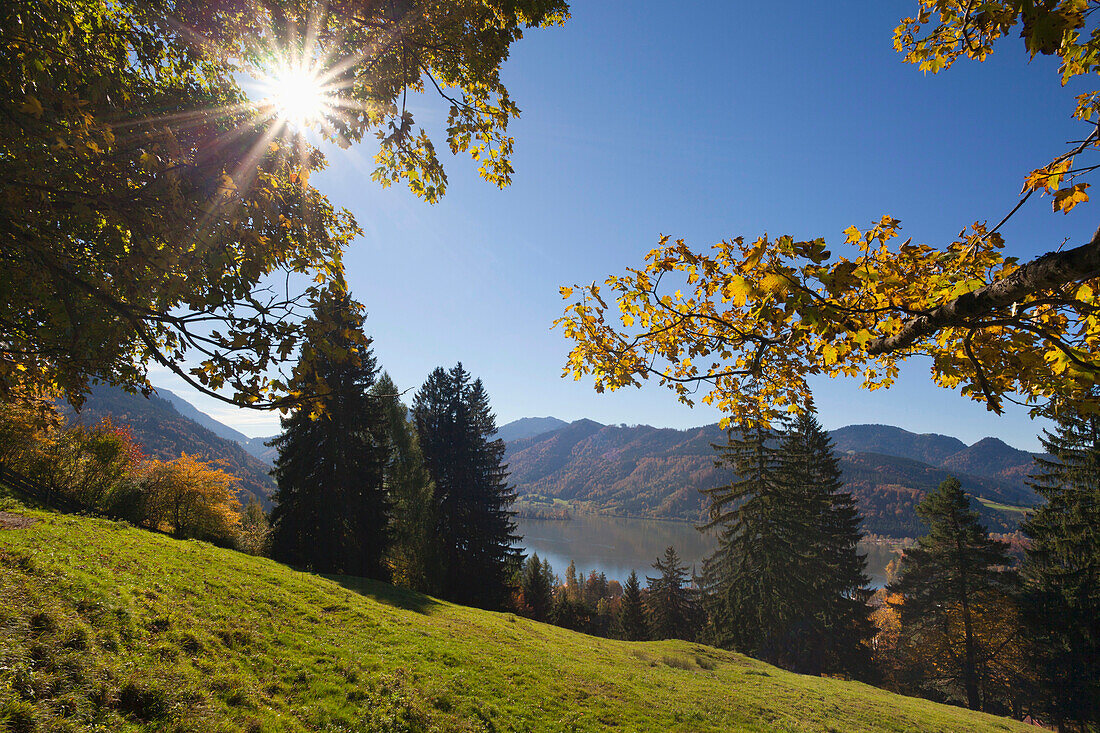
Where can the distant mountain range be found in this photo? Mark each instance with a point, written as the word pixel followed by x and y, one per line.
pixel 632 471
pixel 654 472
pixel 166 427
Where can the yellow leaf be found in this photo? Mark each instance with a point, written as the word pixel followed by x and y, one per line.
pixel 852 235
pixel 566 292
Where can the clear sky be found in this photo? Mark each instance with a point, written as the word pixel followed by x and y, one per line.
pixel 702 120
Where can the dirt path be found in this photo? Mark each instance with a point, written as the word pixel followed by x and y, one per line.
pixel 9 520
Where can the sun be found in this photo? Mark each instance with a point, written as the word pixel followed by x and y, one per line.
pixel 299 95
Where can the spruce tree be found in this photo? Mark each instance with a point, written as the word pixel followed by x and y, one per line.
pixel 753 582
pixel 1061 571
pixel 631 622
pixel 537 584
pixel 833 629
pixel 953 577
pixel 412 492
pixel 331 511
pixel 671 604
pixel 474 528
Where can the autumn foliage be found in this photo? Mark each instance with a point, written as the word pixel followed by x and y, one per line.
pixel 103 469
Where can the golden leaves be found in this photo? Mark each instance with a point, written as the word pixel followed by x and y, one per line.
pixel 1069 197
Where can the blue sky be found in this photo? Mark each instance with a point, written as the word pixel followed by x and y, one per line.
pixel 702 120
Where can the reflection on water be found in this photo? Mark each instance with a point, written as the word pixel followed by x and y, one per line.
pixel 617 545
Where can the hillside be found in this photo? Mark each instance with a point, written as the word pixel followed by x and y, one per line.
pixel 652 472
pixel 164 433
pixel 105 627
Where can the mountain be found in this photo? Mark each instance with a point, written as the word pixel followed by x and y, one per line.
pixel 191 412
pixel 654 472
pixel 116 628
pixel 259 448
pixel 165 433
pixel 528 427
pixel 891 441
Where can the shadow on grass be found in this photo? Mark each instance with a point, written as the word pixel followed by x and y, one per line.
pixel 385 593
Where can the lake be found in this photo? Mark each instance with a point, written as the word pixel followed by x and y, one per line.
pixel 617 545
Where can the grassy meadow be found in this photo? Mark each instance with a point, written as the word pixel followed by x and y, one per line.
pixel 104 627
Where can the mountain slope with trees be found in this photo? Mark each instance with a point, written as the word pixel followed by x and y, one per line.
pixel 654 472
pixel 261 647
pixel 164 433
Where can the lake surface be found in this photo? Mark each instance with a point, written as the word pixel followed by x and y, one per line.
pixel 617 545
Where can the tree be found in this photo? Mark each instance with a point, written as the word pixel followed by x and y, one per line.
pixel 755 586
pixel 537 586
pixel 332 512
pixel 1061 571
pixel 193 499
pixel 671 605
pixel 474 531
pixel 631 622
pixel 776 311
pixel 837 628
pixel 148 203
pixel 412 492
pixel 255 529
pixel 950 582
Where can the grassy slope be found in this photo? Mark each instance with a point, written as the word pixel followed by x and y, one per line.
pixel 105 627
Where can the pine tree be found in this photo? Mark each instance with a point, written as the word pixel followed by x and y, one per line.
pixel 1061 597
pixel 948 582
pixel 331 512
pixel 412 491
pixel 832 632
pixel 631 621
pixel 474 527
pixel 671 605
pixel 753 584
pixel 537 584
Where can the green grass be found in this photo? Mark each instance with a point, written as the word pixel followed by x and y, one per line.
pixel 108 628
pixel 1003 507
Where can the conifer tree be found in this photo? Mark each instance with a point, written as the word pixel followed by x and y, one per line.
pixel 954 576
pixel 331 512
pixel 537 584
pixel 832 632
pixel 412 492
pixel 1061 572
pixel 671 605
pixel 632 625
pixel 474 527
pixel 754 587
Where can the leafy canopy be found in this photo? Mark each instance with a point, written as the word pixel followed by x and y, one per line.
pixel 152 213
pixel 773 311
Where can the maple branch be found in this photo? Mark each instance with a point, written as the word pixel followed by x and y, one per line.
pixel 1043 273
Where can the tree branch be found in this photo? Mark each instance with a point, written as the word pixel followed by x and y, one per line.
pixel 1043 273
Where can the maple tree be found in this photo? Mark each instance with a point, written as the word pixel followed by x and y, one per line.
pixel 193 498
pixel 152 213
pixel 752 320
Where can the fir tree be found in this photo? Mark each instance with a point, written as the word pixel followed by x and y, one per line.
pixel 331 512
pixel 412 491
pixel 1061 597
pixel 670 604
pixel 474 527
pixel 948 581
pixel 631 621
pixel 754 586
pixel 537 585
pixel 832 630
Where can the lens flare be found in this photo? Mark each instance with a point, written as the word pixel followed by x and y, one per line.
pixel 299 96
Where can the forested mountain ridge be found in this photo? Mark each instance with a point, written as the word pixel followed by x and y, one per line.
pixel 165 433
pixel 658 472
